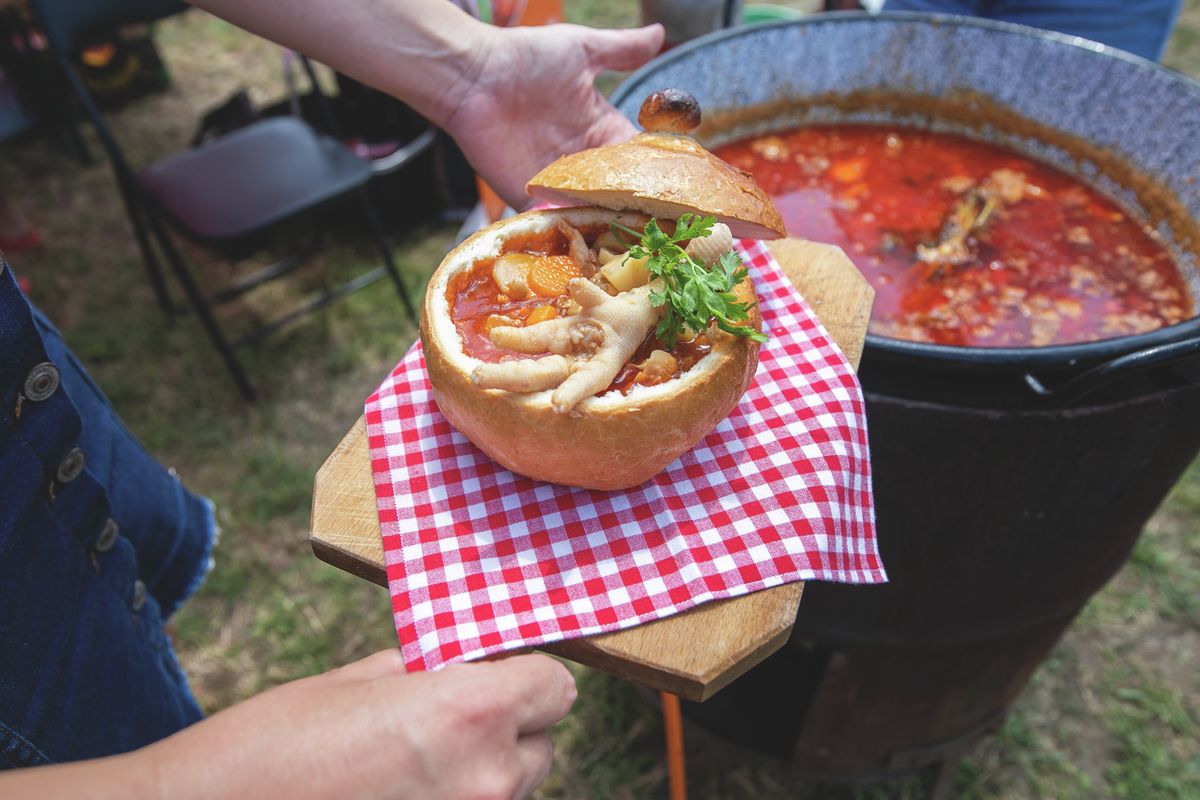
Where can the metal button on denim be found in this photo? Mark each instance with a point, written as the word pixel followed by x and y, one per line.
pixel 41 382
pixel 70 467
pixel 139 595
pixel 108 536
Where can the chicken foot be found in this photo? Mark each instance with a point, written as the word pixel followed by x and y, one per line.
pixel 587 349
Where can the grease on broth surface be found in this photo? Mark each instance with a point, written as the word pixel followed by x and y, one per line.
pixel 968 243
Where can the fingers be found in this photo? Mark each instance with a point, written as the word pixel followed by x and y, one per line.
pixel 523 376
pixel 544 690
pixel 552 336
pixel 535 756
pixel 586 293
pixel 623 49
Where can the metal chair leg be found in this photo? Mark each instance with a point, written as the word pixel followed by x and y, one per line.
pixel 74 142
pixel 150 260
pixel 385 249
pixel 200 304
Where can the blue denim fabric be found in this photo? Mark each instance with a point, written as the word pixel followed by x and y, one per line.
pixel 1136 26
pixel 86 669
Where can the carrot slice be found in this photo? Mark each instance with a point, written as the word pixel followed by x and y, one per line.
pixel 548 277
pixel 541 314
pixel 848 171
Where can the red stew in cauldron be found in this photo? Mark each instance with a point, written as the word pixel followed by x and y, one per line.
pixel 968 243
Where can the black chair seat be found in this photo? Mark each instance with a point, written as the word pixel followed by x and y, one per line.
pixel 253 178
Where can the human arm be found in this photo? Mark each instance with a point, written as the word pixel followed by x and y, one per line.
pixel 513 98
pixel 367 730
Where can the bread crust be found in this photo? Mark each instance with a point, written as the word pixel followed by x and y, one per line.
pixel 609 442
pixel 664 175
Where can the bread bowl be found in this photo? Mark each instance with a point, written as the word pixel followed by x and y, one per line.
pixel 550 423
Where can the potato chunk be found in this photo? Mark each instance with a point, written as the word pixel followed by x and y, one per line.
pixel 626 273
pixel 658 368
pixel 605 255
pixel 511 274
pixel 610 241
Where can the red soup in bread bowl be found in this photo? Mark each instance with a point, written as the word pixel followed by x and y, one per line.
pixel 563 342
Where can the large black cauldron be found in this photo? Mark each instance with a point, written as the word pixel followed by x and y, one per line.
pixel 1010 484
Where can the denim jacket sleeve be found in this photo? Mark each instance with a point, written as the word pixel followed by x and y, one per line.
pixel 97 544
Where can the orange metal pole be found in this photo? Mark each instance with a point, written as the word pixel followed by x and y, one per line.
pixel 676 768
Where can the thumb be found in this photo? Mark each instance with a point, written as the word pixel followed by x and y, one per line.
pixel 625 49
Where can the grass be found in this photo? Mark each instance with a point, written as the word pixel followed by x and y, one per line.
pixel 1112 713
pixel 1147 721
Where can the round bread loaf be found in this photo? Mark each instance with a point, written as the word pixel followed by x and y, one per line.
pixel 664 175
pixel 611 441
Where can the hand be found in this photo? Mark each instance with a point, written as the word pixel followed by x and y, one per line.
pixel 533 99
pixel 369 730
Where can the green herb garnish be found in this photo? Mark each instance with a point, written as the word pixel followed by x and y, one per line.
pixel 694 294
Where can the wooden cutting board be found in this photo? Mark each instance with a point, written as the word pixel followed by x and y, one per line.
pixel 693 654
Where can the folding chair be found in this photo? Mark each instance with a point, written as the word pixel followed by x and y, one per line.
pixel 228 194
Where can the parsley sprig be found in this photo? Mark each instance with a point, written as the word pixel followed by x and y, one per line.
pixel 694 294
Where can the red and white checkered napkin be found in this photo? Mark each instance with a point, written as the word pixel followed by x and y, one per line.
pixel 480 559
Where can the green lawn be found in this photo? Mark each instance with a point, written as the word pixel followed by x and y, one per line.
pixel 1114 712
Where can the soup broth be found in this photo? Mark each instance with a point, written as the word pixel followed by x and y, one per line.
pixel 968 243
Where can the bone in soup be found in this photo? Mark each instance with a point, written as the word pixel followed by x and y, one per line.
pixel 968 243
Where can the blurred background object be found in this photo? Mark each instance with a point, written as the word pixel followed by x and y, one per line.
pixel 511 13
pixel 688 19
pixel 685 20
pixel 17 235
pixel 1141 27
pixel 121 65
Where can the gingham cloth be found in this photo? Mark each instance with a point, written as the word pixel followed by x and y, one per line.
pixel 480 559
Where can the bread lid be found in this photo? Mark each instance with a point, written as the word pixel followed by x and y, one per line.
pixel 662 172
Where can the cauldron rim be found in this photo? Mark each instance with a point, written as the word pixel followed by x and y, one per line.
pixel 1076 354
pixel 1072 356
